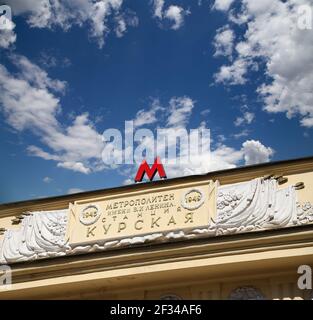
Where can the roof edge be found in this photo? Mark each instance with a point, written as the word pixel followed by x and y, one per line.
pixel 70 197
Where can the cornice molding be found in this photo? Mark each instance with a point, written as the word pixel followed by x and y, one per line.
pixel 180 251
pixel 288 167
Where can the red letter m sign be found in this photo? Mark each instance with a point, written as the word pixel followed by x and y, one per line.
pixel 151 172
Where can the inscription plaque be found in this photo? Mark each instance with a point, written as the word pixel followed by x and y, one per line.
pixel 137 213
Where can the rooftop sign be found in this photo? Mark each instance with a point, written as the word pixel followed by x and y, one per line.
pixel 151 172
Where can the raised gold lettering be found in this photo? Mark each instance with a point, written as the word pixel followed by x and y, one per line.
pixel 154 222
pixel 189 217
pixel 90 231
pixel 136 224
pixel 106 229
pixel 121 226
pixel 171 221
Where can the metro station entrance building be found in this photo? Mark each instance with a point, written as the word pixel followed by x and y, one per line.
pixel 234 234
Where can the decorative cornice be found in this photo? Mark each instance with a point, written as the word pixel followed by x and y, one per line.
pixel 243 207
pixel 286 239
pixel 228 176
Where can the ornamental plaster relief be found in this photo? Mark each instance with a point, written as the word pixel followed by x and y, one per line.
pixel 250 206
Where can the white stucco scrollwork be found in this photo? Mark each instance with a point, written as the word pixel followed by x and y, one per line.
pixel 41 235
pixel 259 204
pixel 305 213
pixel 256 204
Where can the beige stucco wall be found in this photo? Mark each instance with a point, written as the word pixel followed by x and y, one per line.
pixel 208 268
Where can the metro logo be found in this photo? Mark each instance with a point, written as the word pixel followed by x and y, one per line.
pixel 151 172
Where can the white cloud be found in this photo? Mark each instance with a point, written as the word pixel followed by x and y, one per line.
pixel 36 151
pixel 273 40
pixel 243 133
pixel 51 59
pixel 120 27
pixel 221 138
pixel 74 166
pixel 67 13
pixel 239 121
pixel 223 41
pixel 47 179
pixel 222 5
pixel 158 8
pixel 74 190
pixel 225 157
pixel 29 102
pixel 180 110
pixel 307 122
pixel 128 182
pixel 7 36
pixel 176 113
pixel 255 152
pixel 174 13
pixel 205 112
pixel 247 118
pixel 34 75
pixel 221 158
pixel 177 116
pixel 26 106
pixel 234 73
pixel 145 117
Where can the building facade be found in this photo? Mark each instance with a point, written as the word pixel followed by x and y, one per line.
pixel 233 234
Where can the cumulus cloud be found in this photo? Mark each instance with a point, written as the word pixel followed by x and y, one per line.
pixel 7 34
pixel 180 109
pixel 222 5
pixel 148 116
pixel 173 13
pixel 176 113
pixel 95 14
pixel 224 157
pixel 246 118
pixel 273 41
pixel 234 73
pixel 176 14
pixel 29 101
pixel 24 105
pixel 221 158
pixel 197 159
pixel 224 41
pixel 158 8
pixel 255 152
pixel 123 21
pixel 36 76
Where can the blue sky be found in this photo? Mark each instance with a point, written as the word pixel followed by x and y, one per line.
pixel 68 73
